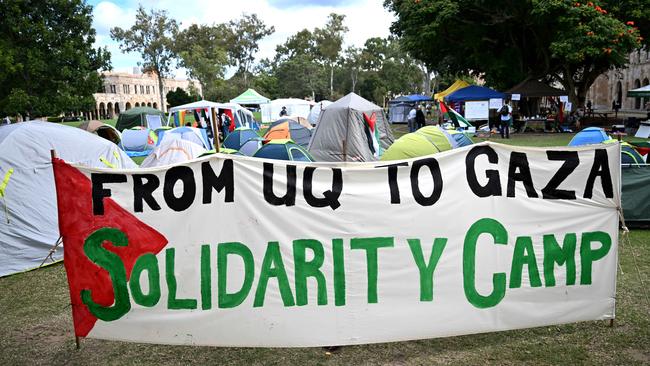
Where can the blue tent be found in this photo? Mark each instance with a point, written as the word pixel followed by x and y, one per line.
pixel 419 98
pixel 588 136
pixel 283 149
pixel 473 92
pixel 238 137
pixel 250 147
pixel 198 136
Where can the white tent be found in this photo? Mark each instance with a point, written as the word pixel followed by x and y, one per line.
pixel 29 225
pixel 243 117
pixel 315 111
pixel 172 151
pixel 295 107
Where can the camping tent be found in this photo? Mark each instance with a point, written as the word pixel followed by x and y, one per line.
pixel 344 134
pixel 461 138
pixel 399 108
pixel 588 136
pixel 172 151
pixel 458 84
pixel 198 136
pixel 635 195
pixel 535 89
pixel 316 110
pixel 242 116
pixel 289 130
pixel 238 137
pixel 639 92
pixel 413 145
pixel 473 92
pixel 250 147
pixel 139 141
pixel 439 137
pixel 140 116
pixel 302 120
pixel 102 130
pixel 297 107
pixel 249 97
pixel 283 150
pixel 629 155
pixel 28 210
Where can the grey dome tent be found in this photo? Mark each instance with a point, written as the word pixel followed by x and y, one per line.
pixel 343 134
pixel 140 116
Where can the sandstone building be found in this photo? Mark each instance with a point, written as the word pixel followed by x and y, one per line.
pixel 123 91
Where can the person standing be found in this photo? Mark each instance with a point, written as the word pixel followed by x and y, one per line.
pixel 420 120
pixel 505 115
pixel 411 119
pixel 284 112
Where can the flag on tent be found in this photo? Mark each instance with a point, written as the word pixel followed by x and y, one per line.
pixel 372 133
pixel 454 116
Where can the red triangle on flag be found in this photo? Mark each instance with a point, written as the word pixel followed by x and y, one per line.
pixel 443 108
pixel 76 223
pixel 371 121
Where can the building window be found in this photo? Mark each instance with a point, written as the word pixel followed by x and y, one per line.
pixel 141 89
pixel 126 89
pixel 147 89
pixel 136 89
pixel 113 89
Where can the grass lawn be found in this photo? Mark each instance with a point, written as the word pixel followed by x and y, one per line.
pixel 36 327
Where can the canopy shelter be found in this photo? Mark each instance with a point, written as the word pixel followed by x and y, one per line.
pixel 458 84
pixel 173 151
pixel 283 150
pixel 351 129
pixel 140 116
pixel 532 88
pixel 249 97
pixel 316 111
pixel 206 110
pixel 294 107
pixel 102 130
pixel 473 92
pixel 640 92
pixel 28 201
pixel 419 98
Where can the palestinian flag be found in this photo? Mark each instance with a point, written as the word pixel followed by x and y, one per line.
pixel 372 133
pixel 455 117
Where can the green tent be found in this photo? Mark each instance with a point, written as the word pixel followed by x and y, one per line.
pixel 411 145
pixel 635 197
pixel 438 137
pixel 140 116
pixel 250 96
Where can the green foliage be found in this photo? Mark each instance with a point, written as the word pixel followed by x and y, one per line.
pixel 152 36
pixel 506 42
pixel 47 61
pixel 244 37
pixel 179 97
pixel 329 41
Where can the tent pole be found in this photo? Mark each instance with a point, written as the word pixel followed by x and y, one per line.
pixel 215 132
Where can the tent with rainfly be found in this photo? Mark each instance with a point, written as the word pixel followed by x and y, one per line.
pixel 590 135
pixel 172 151
pixel 289 129
pixel 28 203
pixel 140 116
pixel 198 136
pixel 425 141
pixel 283 149
pixel 102 130
pixel 351 129
pixel 238 137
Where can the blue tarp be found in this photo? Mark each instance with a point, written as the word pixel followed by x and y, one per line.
pixel 473 92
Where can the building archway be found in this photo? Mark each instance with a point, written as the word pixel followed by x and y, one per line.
pixel 637 101
pixel 646 100
pixel 109 110
pixel 149 104
pixel 155 105
pixel 102 111
pixel 127 106
pixel 137 104
pixel 117 108
pixel 619 93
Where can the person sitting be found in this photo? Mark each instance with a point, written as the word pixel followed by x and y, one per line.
pixel 284 112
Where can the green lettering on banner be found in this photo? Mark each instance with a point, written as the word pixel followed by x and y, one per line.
pixel 500 235
pixel 306 269
pixel 227 300
pixel 524 255
pixel 565 254
pixel 371 245
pixel 112 263
pixel 426 270
pixel 146 262
pixel 272 266
pixel 206 278
pixel 339 272
pixel 172 302
pixel 589 256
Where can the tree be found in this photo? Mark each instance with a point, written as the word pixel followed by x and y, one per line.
pixel 179 97
pixel 202 51
pixel 506 42
pixel 245 34
pixel 329 41
pixel 352 62
pixel 296 68
pixel 152 36
pixel 47 61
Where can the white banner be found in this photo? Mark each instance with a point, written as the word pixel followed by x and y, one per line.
pixel 478 110
pixel 496 103
pixel 235 251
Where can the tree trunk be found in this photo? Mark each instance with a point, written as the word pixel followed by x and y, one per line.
pixel 163 107
pixel 331 80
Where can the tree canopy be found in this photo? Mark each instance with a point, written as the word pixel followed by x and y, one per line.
pixel 506 42
pixel 47 61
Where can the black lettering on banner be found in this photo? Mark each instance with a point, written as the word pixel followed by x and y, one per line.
pixel 330 197
pixel 143 187
pixel 600 169
pixel 436 176
pixel 519 170
pixel 211 181
pixel 98 190
pixel 493 186
pixel 571 162
pixel 289 197
pixel 173 175
pixel 392 181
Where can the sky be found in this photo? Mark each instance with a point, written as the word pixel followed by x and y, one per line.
pixel 364 18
